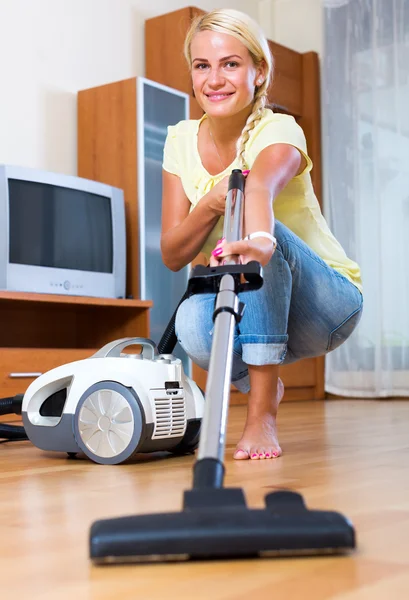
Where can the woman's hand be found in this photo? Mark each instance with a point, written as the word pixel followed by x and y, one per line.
pixel 217 196
pixel 260 249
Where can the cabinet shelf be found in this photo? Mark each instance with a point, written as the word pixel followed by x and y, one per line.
pixel 76 300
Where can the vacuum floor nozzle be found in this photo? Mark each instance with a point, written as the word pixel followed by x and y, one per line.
pixel 217 524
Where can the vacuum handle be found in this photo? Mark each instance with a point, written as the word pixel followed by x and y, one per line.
pixel 234 212
pixel 236 180
pixel 114 349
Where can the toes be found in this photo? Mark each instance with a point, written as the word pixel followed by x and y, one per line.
pixel 257 453
pixel 263 453
pixel 241 454
pixel 270 453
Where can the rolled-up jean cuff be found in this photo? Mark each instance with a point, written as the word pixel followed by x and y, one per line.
pixel 264 354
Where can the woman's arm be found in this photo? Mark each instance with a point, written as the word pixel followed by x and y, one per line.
pixel 184 233
pixel 273 168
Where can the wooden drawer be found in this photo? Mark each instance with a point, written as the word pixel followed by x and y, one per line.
pixel 20 366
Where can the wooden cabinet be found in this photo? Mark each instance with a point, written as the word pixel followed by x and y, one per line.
pixel 164 39
pixel 107 152
pixel 42 331
pixel 122 127
pixel 295 90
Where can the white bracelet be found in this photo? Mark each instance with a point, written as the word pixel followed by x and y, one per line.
pixel 264 234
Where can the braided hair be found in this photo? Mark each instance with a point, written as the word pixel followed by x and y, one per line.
pixel 249 33
pixel 260 101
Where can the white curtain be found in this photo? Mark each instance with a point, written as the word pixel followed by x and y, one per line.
pixel 365 83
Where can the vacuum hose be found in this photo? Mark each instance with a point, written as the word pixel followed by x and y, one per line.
pixel 12 432
pixel 9 406
pixel 168 340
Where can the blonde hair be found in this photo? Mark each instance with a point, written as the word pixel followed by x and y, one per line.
pixel 248 32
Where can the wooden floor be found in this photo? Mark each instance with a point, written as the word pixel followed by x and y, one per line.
pixel 351 456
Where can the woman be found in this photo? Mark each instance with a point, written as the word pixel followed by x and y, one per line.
pixel 311 299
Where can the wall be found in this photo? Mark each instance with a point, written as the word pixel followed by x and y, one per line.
pixel 50 49
pixel 297 24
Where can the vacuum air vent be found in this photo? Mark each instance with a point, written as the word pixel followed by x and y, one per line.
pixel 170 417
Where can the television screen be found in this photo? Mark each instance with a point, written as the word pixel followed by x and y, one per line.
pixel 53 226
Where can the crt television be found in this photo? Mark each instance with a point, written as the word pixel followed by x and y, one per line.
pixel 61 234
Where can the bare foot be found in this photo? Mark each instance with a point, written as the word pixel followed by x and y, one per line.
pixel 259 439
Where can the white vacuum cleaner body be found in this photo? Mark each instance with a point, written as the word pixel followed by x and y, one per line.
pixel 113 405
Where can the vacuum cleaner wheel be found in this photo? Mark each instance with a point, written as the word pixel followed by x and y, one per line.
pixel 108 422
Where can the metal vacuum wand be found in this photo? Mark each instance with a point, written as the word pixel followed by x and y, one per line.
pixel 234 212
pixel 227 311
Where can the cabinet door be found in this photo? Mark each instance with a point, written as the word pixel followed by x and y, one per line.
pixel 157 107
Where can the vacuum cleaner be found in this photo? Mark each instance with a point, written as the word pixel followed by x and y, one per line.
pixel 215 522
pixel 114 405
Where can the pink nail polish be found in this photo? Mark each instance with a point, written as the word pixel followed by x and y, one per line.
pixel 254 456
pixel 275 454
pixel 267 456
pixel 246 172
pixel 217 251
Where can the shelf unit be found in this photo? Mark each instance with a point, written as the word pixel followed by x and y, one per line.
pixel 42 331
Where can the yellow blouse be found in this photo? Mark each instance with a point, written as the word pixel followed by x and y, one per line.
pixel 296 206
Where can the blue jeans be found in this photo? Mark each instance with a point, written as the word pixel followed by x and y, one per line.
pixel 304 309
